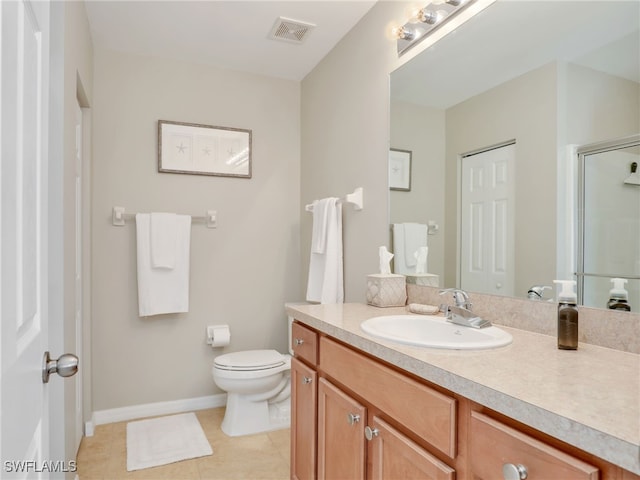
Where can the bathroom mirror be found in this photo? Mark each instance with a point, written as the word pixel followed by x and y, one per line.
pixel 547 77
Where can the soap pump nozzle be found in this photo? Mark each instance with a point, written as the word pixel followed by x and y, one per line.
pixel 618 290
pixel 567 294
pixel 618 296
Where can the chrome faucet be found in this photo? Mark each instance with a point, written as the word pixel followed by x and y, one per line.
pixel 460 297
pixel 461 313
pixel 537 292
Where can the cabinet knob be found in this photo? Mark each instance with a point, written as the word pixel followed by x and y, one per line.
pixel 306 380
pixel 298 341
pixel 352 418
pixel 514 472
pixel 369 432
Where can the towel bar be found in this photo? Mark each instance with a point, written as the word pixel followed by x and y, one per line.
pixel 355 198
pixel 119 217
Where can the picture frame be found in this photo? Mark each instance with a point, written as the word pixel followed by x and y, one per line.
pixel 400 169
pixel 196 149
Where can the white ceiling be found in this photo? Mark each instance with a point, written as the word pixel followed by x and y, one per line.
pixel 231 34
pixel 511 38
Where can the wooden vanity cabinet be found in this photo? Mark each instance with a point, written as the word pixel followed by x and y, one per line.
pixel 353 417
pixel 341 440
pixel 355 445
pixel 304 395
pixel 393 455
pixel 304 398
pixel 356 442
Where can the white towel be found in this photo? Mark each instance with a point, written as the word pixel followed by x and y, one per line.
pixel 164 236
pixel 407 239
pixel 161 290
pixel 319 232
pixel 415 237
pixel 326 284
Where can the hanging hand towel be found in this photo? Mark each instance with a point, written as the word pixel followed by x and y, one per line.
pixel 407 239
pixel 164 235
pixel 162 290
pixel 326 284
pixel 415 237
pixel 319 232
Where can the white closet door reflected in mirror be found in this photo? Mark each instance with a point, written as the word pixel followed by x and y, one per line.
pixel 487 226
pixel 609 221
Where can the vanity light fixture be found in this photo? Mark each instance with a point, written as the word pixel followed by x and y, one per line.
pixel 429 18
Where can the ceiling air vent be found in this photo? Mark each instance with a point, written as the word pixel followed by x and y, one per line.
pixel 288 30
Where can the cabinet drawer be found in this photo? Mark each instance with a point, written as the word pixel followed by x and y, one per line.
pixel 494 444
pixel 426 412
pixel 304 343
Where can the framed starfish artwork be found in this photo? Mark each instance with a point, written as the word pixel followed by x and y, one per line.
pixel 203 149
pixel 400 169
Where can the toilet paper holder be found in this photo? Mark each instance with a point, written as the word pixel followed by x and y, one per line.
pixel 218 335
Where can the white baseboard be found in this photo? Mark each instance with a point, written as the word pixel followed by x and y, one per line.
pixel 133 412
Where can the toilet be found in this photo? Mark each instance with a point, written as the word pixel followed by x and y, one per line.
pixel 258 386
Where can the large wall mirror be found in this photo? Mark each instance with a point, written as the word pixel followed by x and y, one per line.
pixel 508 100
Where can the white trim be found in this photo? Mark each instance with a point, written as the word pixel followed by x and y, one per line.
pixel 133 412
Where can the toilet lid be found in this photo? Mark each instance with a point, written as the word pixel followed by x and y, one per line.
pixel 250 360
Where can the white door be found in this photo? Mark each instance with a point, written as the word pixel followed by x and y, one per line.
pixel 24 397
pixel 487 227
pixel 78 272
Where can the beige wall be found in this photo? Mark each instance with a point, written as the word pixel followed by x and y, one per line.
pixel 345 139
pixel 242 273
pixel 600 107
pixel 421 130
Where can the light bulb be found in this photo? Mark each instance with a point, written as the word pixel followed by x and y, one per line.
pixel 403 33
pixel 430 17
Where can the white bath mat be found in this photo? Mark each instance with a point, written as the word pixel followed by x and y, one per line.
pixel 159 441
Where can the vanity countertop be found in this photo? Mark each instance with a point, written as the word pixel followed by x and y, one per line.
pixel 589 398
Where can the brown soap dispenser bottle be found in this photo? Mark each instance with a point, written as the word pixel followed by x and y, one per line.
pixel 567 316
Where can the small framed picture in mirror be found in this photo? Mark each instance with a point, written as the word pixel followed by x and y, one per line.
pixel 400 169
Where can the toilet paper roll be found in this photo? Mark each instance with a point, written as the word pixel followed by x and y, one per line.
pixel 219 335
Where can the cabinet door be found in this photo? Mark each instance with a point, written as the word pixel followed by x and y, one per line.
pixel 394 456
pixel 341 442
pixel 303 421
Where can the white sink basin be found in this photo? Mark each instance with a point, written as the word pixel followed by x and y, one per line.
pixel 434 332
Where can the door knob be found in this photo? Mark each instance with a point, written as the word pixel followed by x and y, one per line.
pixel 512 471
pixel 65 366
pixel 306 380
pixel 353 418
pixel 370 433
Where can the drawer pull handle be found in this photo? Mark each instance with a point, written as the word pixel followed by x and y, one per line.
pixel 514 472
pixel 298 341
pixel 307 380
pixel 353 418
pixel 369 432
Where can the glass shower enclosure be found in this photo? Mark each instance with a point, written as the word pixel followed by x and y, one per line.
pixel 608 221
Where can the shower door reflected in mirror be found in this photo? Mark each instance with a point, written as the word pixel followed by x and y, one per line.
pixel 608 221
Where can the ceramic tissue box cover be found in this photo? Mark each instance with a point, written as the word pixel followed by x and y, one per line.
pixel 424 279
pixel 386 290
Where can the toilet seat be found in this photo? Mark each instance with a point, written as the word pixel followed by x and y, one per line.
pixel 250 360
